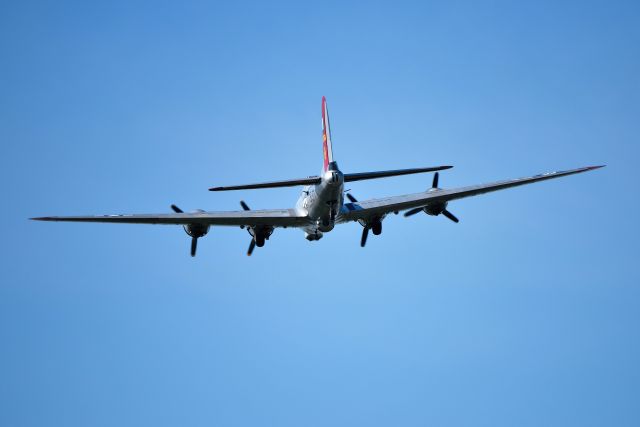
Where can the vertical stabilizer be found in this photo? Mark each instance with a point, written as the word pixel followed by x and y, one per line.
pixel 326 136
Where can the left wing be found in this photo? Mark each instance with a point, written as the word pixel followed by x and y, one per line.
pixel 272 217
pixel 373 208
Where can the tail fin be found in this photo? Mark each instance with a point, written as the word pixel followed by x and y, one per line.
pixel 326 136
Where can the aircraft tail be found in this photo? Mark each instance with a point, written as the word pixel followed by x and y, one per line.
pixel 326 136
pixel 329 164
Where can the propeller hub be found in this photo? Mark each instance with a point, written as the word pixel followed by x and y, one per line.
pixel 196 230
pixel 435 209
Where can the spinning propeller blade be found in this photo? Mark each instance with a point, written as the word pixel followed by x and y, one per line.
pixel 365 234
pixel 450 216
pixel 252 246
pixel 194 245
pixel 412 211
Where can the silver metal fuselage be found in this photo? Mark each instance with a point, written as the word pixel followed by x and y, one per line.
pixel 322 203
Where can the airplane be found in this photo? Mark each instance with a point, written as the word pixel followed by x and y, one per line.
pixel 321 204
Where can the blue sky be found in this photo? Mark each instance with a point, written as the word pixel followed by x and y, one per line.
pixel 525 313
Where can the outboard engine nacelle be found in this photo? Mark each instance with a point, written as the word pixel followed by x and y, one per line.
pixel 373 224
pixel 260 233
pixel 194 230
pixel 313 237
pixel 435 209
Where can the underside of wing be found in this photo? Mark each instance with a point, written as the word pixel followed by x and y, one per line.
pixel 272 217
pixel 368 209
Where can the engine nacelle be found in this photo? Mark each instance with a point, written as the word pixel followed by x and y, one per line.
pixel 325 224
pixel 260 233
pixel 376 227
pixel 435 209
pixel 196 230
pixel 312 237
pixel 374 224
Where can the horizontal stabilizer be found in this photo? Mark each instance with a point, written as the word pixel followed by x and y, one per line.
pixel 350 177
pixel 271 184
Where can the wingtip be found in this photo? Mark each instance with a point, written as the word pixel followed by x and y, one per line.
pixel 41 218
pixel 215 188
pixel 595 167
pixel 446 167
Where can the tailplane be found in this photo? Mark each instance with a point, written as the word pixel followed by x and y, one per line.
pixel 326 136
pixel 329 164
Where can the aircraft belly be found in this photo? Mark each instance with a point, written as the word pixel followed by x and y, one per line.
pixel 327 201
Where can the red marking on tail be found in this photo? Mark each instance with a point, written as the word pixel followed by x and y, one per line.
pixel 326 135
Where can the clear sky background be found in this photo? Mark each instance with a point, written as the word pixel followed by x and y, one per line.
pixel 525 313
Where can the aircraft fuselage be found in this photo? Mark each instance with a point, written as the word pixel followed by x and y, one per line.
pixel 322 202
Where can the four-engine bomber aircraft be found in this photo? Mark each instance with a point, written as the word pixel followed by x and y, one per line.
pixel 321 205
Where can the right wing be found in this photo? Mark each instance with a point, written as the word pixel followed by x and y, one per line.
pixel 369 209
pixel 272 217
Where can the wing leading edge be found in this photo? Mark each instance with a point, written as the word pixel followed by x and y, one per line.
pixel 376 207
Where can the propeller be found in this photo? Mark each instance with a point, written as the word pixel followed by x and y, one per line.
pixel 365 234
pixel 434 184
pixel 412 212
pixel 194 245
pixel 374 224
pixel 194 240
pixel 252 245
pixel 193 230
pixel 450 216
pixel 434 209
pixel 365 228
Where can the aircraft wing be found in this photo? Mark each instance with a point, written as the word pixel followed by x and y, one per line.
pixel 272 217
pixel 372 208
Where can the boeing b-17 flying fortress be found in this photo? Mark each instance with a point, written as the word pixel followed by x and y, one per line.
pixel 321 205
